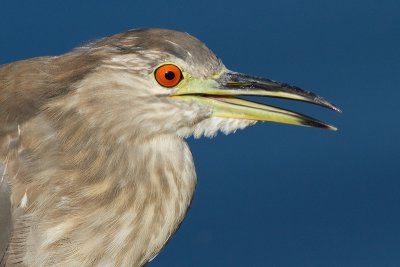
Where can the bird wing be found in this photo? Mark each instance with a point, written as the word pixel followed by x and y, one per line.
pixel 26 88
pixel 21 95
pixel 5 214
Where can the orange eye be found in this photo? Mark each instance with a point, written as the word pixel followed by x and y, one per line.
pixel 168 75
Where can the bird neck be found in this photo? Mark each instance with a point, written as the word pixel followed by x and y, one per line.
pixel 152 187
pixel 159 190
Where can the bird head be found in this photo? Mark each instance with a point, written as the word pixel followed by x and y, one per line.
pixel 161 81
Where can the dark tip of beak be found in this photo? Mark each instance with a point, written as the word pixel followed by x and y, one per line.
pixel 248 85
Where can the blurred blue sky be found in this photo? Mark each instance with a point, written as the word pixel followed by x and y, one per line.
pixel 271 195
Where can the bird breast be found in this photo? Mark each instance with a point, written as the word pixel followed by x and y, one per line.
pixel 81 191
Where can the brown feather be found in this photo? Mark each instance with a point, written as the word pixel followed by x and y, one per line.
pixel 97 176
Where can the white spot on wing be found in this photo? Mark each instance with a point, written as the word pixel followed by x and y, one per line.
pixel 4 170
pixel 24 201
pixel 172 42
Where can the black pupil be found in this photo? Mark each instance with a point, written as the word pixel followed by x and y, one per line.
pixel 169 75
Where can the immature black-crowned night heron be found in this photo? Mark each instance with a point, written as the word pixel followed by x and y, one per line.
pixel 94 167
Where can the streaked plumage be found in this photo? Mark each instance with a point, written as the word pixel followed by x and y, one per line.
pixel 94 167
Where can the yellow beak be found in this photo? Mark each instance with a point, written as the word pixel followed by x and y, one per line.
pixel 220 93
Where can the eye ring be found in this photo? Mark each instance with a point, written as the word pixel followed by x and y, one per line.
pixel 168 75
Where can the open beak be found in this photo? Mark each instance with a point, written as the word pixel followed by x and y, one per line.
pixel 220 93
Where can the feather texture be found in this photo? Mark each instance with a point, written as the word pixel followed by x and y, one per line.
pixel 95 170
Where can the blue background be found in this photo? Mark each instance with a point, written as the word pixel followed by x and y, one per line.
pixel 271 195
